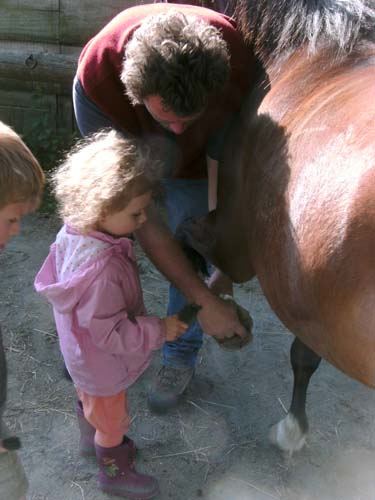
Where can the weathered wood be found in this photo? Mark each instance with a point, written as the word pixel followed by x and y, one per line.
pixel 45 121
pixel 22 46
pixel 24 111
pixel 39 67
pixel 30 4
pixel 80 21
pixel 19 46
pixel 29 24
pixel 65 114
pixel 25 100
pixel 35 87
pixel 40 42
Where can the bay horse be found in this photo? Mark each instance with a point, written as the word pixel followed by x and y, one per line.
pixel 296 189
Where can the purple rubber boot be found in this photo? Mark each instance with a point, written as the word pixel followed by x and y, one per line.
pixel 86 440
pixel 117 474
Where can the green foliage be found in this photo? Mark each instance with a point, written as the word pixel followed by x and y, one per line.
pixel 49 143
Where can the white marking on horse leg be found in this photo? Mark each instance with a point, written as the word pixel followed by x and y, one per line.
pixel 287 435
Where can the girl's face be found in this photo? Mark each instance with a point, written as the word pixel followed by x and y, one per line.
pixel 10 218
pixel 129 219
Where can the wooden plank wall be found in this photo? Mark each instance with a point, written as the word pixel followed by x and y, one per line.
pixel 40 41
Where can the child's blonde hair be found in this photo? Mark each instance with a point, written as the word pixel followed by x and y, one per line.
pixel 21 177
pixel 100 176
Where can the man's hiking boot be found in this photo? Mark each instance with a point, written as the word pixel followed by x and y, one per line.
pixel 168 388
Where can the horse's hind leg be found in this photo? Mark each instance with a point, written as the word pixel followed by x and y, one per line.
pixel 290 433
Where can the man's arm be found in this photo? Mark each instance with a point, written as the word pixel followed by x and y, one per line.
pixel 216 317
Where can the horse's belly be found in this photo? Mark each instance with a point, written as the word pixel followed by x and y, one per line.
pixel 316 264
pixel 335 322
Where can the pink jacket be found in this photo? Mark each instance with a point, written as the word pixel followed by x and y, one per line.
pixel 93 285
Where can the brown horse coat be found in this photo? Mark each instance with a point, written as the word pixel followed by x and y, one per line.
pixel 296 201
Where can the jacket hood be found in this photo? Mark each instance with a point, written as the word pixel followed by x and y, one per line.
pixel 74 262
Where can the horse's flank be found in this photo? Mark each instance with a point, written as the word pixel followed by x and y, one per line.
pixel 299 208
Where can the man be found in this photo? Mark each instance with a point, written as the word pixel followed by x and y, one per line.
pixel 173 75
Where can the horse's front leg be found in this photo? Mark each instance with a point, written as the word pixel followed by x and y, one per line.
pixel 290 433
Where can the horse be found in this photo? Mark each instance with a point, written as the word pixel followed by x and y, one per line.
pixel 296 187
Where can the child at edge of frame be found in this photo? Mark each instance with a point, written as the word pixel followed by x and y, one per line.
pixel 21 188
pixel 104 189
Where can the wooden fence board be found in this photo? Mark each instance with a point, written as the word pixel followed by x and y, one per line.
pixel 23 111
pixel 35 88
pixel 40 41
pixel 29 25
pixel 38 67
pixel 65 114
pixel 32 47
pixel 22 46
pixel 25 100
pixel 30 4
pixel 80 21
pixel 43 115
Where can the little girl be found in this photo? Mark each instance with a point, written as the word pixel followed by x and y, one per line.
pixel 91 278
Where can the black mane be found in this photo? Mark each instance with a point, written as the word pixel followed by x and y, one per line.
pixel 276 27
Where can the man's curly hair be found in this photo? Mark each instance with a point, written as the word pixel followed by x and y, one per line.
pixel 180 58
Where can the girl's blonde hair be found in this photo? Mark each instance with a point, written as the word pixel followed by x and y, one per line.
pixel 100 176
pixel 21 177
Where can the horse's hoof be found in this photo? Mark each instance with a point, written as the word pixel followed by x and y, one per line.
pixel 236 342
pixel 287 435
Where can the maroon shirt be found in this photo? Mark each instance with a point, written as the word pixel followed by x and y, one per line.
pixel 100 66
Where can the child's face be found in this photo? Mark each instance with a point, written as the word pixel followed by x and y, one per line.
pixel 10 218
pixel 129 219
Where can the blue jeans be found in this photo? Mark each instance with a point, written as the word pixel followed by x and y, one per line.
pixel 88 116
pixel 183 198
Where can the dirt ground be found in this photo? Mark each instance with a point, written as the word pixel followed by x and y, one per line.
pixel 215 445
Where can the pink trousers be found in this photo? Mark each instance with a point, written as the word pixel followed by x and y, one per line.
pixel 109 415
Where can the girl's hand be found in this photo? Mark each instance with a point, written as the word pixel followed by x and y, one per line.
pixel 173 327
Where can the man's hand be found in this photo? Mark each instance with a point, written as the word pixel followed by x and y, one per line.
pixel 218 318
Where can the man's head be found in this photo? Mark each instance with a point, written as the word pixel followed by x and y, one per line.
pixel 172 64
pixel 166 118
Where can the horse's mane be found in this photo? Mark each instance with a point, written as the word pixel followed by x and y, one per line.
pixel 277 27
